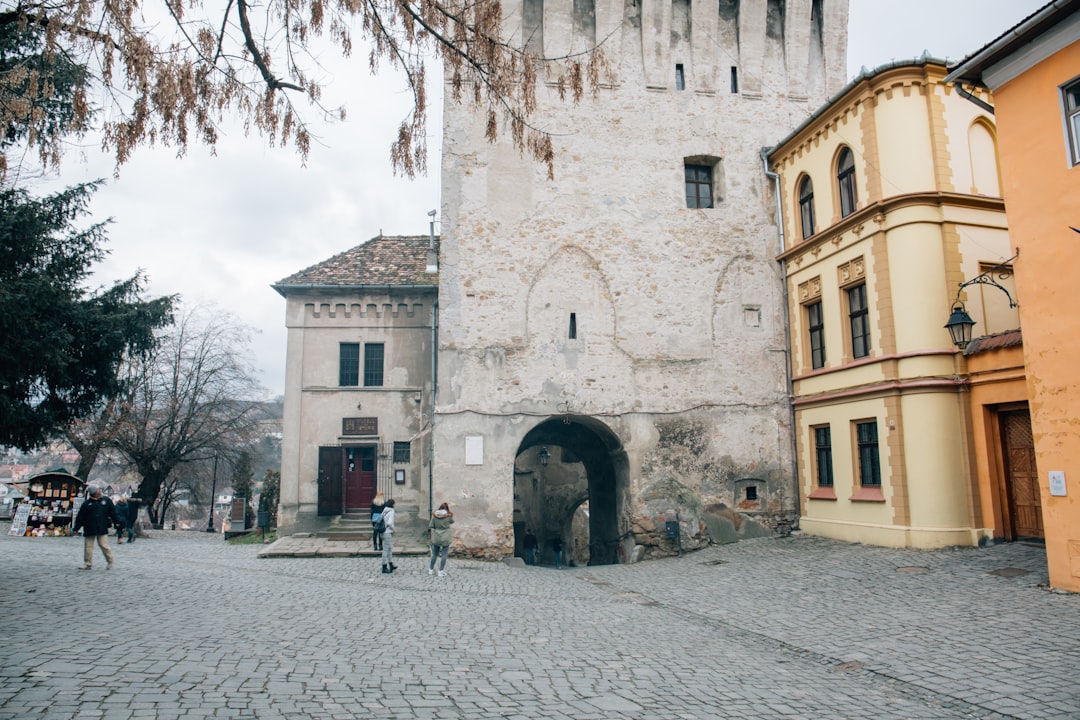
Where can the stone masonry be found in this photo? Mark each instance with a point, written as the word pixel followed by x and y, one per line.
pixel 598 311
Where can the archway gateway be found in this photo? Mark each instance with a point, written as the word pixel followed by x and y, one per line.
pixel 562 464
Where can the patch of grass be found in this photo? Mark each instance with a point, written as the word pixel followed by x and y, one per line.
pixel 253 538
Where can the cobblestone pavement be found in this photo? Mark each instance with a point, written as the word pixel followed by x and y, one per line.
pixel 186 626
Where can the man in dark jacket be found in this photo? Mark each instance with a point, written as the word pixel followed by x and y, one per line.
pixel 95 517
pixel 128 511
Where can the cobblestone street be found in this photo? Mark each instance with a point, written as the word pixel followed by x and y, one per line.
pixel 186 626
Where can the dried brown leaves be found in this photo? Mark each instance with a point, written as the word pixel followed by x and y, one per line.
pixel 172 78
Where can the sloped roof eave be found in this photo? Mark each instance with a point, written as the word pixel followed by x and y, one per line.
pixel 284 289
pixel 971 68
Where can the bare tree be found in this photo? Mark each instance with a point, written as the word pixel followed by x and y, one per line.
pixel 195 398
pixel 95 433
pixel 170 70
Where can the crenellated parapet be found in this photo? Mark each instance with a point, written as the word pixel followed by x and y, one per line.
pixel 794 48
pixel 354 311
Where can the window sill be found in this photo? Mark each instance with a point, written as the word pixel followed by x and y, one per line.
pixel 868 494
pixel 822 493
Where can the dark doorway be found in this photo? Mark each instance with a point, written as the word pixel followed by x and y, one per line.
pixel 563 465
pixel 329 480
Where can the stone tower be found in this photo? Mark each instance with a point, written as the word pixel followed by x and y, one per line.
pixel 611 346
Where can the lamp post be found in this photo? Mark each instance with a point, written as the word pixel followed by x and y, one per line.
pixel 213 491
pixel 960 323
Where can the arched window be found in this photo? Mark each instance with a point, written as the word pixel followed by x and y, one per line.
pixel 806 206
pixel 984 160
pixel 845 178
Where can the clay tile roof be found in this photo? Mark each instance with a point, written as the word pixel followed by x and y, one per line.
pixel 997 341
pixel 383 260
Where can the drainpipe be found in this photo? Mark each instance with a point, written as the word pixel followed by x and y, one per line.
pixel 775 177
pixel 431 408
pixel 967 95
pixel 432 267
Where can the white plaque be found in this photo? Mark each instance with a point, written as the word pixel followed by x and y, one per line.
pixel 1057 482
pixel 474 449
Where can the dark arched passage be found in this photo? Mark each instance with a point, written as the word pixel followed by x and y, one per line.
pixel 562 464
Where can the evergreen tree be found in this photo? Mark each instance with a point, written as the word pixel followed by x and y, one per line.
pixel 268 498
pixel 243 483
pixel 62 343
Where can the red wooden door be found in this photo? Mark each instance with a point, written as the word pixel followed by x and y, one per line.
pixel 1021 477
pixel 360 477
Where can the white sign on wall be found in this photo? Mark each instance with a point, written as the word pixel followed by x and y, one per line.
pixel 1057 482
pixel 474 449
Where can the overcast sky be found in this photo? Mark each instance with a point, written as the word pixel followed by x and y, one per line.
pixel 220 229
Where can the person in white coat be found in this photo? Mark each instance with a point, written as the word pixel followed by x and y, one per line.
pixel 388 565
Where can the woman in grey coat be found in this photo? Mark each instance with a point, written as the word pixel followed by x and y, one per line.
pixel 441 537
pixel 388 565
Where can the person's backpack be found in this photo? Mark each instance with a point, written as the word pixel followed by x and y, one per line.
pixel 380 524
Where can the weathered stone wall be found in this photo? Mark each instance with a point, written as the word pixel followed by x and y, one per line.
pixel 680 346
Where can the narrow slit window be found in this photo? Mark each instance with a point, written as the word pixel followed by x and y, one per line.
pixel 573 326
pixel 734 80
pixel 680 78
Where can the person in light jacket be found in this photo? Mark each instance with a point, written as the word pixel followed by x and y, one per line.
pixel 441 537
pixel 388 565
pixel 377 504
pixel 96 515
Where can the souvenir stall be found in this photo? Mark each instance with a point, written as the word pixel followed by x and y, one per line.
pixel 54 498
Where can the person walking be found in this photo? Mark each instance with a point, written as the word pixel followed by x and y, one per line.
pixel 377 504
pixel 530 547
pixel 387 540
pixel 556 550
pixel 96 515
pixel 441 537
pixel 133 505
pixel 121 513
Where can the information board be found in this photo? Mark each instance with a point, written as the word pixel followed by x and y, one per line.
pixel 238 514
pixel 18 523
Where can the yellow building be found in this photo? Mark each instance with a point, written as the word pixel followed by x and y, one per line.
pixel 1034 73
pixel 890 199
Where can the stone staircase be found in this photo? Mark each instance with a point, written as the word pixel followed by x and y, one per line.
pixel 410 536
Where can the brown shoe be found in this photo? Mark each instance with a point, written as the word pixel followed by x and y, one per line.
pixel 85 567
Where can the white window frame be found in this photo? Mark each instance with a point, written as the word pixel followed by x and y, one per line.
pixel 1070 105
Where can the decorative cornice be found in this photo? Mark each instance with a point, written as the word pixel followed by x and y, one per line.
pixel 889 387
pixel 877 213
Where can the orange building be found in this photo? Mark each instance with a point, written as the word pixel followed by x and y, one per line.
pixel 1033 71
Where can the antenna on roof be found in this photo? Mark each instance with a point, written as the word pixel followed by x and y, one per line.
pixel 432 256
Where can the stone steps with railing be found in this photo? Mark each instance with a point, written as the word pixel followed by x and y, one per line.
pixel 410 534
